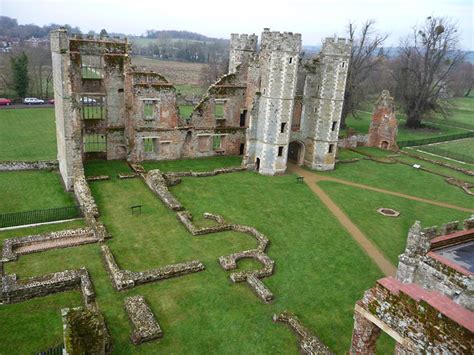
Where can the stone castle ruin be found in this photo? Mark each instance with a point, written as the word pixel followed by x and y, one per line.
pixel 384 126
pixel 271 107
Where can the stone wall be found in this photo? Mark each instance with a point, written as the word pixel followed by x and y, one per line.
pixel 384 126
pixel 125 279
pixel 307 342
pixel 358 140
pixel 14 290
pixel 421 321
pixel 144 324
pixel 29 165
pixel 35 243
pixel 157 183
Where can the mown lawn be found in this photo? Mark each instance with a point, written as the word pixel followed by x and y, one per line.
pixel 389 234
pixel 30 190
pixel 320 270
pixel 402 178
pixel 5 234
pixel 27 134
pixel 199 164
pixel 460 146
pixel 362 123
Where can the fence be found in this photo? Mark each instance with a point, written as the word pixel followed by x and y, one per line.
pixel 424 141
pixel 39 216
pixel 456 156
pixel 57 350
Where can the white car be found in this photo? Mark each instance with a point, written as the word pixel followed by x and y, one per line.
pixel 32 101
pixel 88 100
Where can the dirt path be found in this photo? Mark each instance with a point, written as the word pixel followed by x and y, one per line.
pixel 374 253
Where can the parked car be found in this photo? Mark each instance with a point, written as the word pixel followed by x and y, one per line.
pixel 33 101
pixel 88 100
pixel 51 101
pixel 5 102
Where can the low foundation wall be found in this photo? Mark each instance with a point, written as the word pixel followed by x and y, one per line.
pixel 29 165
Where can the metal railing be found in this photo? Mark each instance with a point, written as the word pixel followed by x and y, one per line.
pixel 57 350
pixel 39 216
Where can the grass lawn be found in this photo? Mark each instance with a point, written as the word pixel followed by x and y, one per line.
pixel 30 190
pixel 415 150
pixel 185 111
pixel 41 229
pixel 460 146
pixel 362 123
pixel 199 164
pixel 402 178
pixel 27 134
pixel 189 90
pixel 389 234
pixel 320 270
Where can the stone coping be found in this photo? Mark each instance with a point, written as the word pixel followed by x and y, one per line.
pixel 29 165
pixel 125 279
pixel 62 239
pixel 145 327
pixel 307 342
pixel 14 290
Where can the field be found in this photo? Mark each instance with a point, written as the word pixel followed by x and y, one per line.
pixel 27 134
pixel 461 146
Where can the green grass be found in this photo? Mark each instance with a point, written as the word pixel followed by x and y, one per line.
pixel 320 270
pixel 199 164
pixel 362 123
pixel 41 229
pixel 461 146
pixel 402 178
pixel 30 190
pixel 185 111
pixel 415 150
pixel 190 90
pixel 27 134
pixel 388 233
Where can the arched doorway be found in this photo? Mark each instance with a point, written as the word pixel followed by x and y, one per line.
pixel 296 152
pixel 257 164
pixel 384 145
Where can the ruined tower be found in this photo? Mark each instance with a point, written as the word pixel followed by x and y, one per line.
pixel 384 126
pixel 242 49
pixel 323 100
pixel 269 131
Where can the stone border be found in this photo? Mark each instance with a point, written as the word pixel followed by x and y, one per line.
pixel 29 165
pixel 214 172
pixel 465 186
pixel 84 197
pixel 145 327
pixel 97 178
pixel 229 262
pixel 127 176
pixel 393 213
pixel 14 290
pixel 307 342
pixel 157 183
pixel 125 279
pixel 14 247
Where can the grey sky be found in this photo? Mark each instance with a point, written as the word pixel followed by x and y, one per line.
pixel 313 19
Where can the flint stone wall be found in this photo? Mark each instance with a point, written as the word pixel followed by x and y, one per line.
pixel 259 289
pixel 359 140
pixel 14 290
pixel 125 279
pixel 229 262
pixel 157 183
pixel 67 238
pixel 29 165
pixel 307 342
pixel 185 217
pixel 84 197
pixel 144 324
pixel 206 173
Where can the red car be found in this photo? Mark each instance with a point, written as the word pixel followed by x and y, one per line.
pixel 51 101
pixel 5 102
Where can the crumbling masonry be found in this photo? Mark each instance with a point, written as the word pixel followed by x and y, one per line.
pixel 272 106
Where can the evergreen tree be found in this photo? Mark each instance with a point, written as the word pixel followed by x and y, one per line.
pixel 19 66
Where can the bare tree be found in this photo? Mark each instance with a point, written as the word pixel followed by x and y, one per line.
pixel 211 72
pixel 366 56
pixel 462 80
pixel 423 68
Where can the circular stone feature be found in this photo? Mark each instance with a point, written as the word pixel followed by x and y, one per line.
pixel 388 212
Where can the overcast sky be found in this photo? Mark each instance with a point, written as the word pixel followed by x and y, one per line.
pixel 314 19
